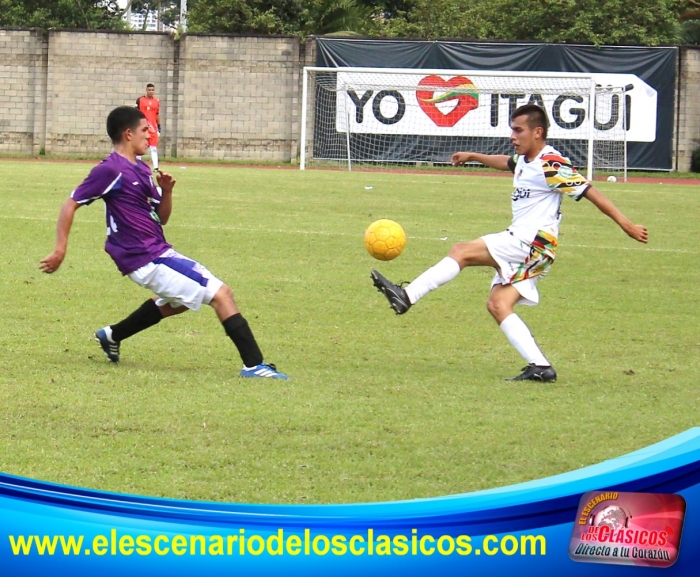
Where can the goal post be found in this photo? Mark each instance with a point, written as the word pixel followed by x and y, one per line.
pixel 389 117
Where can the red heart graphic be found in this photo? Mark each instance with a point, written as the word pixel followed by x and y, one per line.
pixel 466 102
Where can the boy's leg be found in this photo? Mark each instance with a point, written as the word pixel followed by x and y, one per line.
pixel 501 305
pixel 238 330
pixel 154 157
pixel 147 315
pixel 461 255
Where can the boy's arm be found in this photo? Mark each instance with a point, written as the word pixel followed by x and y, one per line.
pixel 166 183
pixel 52 262
pixel 637 231
pixel 497 161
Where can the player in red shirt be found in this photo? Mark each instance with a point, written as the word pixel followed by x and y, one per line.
pixel 150 106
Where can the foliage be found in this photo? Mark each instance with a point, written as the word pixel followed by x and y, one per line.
pixel 690 18
pixel 280 16
pixel 652 22
pixel 337 16
pixel 432 19
pixel 243 16
pixel 86 14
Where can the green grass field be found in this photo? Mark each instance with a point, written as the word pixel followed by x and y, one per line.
pixel 379 407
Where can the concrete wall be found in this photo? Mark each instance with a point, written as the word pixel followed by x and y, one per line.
pixel 89 74
pixel 238 97
pixel 22 90
pixel 227 97
pixel 688 126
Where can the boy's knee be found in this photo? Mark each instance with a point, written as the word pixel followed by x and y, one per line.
pixel 498 309
pixel 224 294
pixel 460 252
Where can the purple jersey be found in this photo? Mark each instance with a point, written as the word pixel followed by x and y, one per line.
pixel 134 233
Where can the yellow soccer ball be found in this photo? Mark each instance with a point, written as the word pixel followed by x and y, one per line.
pixel 385 239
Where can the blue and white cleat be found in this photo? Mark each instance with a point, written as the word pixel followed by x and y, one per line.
pixel 110 348
pixel 263 371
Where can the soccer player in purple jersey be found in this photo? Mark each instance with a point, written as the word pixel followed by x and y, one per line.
pixel 136 212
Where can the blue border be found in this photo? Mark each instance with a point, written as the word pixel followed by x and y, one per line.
pixel 544 507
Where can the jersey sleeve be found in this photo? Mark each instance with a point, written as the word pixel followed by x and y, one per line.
pixel 102 180
pixel 512 161
pixel 562 176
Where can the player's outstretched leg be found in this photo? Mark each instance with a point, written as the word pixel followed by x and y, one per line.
pixel 397 297
pixel 401 299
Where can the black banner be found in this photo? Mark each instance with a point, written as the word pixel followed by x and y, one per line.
pixel 655 66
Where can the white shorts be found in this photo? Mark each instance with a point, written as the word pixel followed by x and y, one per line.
pixel 521 264
pixel 178 280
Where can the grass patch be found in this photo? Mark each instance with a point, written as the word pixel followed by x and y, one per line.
pixel 379 407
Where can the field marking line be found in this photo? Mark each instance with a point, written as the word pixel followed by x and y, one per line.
pixel 359 235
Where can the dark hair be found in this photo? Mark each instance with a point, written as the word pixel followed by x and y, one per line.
pixel 150 85
pixel 121 119
pixel 536 117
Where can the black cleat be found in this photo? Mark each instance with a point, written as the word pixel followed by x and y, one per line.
pixel 534 373
pixel 397 297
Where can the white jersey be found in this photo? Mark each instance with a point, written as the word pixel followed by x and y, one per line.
pixel 539 185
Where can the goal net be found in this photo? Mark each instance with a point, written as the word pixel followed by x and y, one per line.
pixel 377 117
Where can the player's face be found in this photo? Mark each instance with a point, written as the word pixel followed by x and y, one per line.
pixel 150 92
pixel 523 137
pixel 139 137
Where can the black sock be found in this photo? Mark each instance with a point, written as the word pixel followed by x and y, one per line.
pixel 239 332
pixel 147 315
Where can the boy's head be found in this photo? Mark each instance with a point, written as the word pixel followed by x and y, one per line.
pixel 128 124
pixel 528 125
pixel 536 117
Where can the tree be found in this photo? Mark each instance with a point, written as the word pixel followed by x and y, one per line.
pixel 302 17
pixel 647 22
pixel 690 18
pixel 243 16
pixel 431 19
pixel 338 17
pixel 87 14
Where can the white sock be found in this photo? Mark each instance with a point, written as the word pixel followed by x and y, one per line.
pixel 521 338
pixel 108 332
pixel 154 157
pixel 436 276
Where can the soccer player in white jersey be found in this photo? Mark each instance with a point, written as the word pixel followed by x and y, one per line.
pixel 522 253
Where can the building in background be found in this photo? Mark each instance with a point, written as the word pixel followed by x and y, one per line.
pixel 154 15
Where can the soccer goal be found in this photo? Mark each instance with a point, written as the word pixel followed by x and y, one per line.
pixel 386 117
